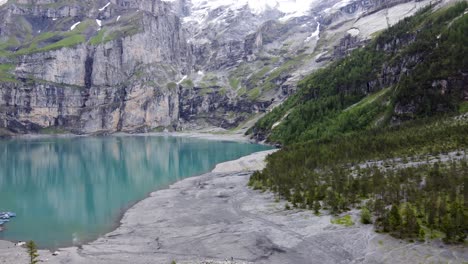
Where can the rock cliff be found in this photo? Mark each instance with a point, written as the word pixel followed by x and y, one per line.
pixel 106 66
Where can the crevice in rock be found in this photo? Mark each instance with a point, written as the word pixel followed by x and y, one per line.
pixel 89 68
pixel 122 94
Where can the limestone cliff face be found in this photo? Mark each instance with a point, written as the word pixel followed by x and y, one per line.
pixel 117 85
pixel 137 107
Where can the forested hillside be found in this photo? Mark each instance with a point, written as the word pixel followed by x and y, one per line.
pixel 415 69
pixel 383 130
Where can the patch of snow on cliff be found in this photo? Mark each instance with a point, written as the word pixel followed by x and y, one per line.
pixel 337 6
pixel 2 2
pixel 291 8
pixel 315 34
pixel 74 25
pixel 118 18
pixel 275 124
pixel 183 79
pixel 104 7
pixel 342 4
pixel 99 22
pixel 353 32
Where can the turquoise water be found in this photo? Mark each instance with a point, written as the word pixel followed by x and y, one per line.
pixel 71 190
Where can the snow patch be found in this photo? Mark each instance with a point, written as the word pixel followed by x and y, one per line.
pixel 2 2
pixel 118 18
pixel 54 19
pixel 99 22
pixel 336 7
pixel 104 7
pixel 275 124
pixel 341 4
pixel 74 25
pixel 320 55
pixel 183 79
pixel 290 8
pixel 353 32
pixel 315 34
pixel 200 73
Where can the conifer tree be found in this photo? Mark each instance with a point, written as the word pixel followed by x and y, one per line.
pixel 365 216
pixel 394 218
pixel 32 252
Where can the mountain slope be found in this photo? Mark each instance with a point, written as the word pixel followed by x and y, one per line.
pixel 106 66
pixel 383 130
pixel 417 63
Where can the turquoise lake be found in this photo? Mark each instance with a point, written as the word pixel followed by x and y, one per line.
pixel 67 191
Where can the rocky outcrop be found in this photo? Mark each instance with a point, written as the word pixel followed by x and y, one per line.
pixel 216 108
pixel 347 45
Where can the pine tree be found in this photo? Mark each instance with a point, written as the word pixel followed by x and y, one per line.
pixel 379 207
pixel 297 199
pixel 310 198
pixel 385 221
pixel 411 222
pixel 422 235
pixel 32 252
pixel 448 228
pixel 317 207
pixel 333 202
pixel 458 221
pixel 431 209
pixel 394 218
pixel 365 216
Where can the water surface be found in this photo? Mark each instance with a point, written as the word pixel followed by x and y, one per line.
pixel 71 190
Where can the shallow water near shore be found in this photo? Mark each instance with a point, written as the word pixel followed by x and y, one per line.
pixel 67 191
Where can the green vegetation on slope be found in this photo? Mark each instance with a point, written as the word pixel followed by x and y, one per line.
pixel 428 44
pixel 26 42
pixel 341 118
pixel 5 73
pixel 54 40
pixel 324 170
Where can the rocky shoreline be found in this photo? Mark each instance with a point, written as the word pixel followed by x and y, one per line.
pixel 216 217
pixel 208 135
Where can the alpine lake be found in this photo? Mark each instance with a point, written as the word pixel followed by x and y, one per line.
pixel 70 190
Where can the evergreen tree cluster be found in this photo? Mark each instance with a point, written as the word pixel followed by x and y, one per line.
pixel 405 202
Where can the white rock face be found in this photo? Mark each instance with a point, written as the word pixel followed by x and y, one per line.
pixel 2 2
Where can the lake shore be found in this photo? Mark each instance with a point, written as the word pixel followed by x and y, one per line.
pixel 216 217
pixel 208 135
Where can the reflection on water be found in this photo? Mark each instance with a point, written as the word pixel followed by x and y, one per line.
pixel 70 190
